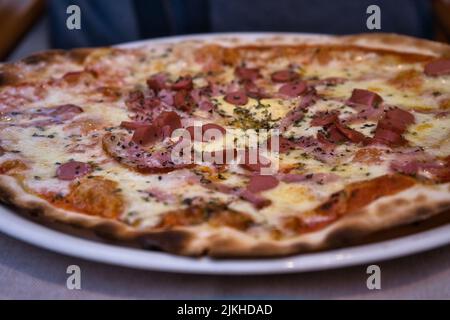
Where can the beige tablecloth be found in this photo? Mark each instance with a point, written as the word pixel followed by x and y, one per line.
pixel 27 272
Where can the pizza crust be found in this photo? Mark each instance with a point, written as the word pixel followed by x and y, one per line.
pixel 381 41
pixel 11 73
pixel 414 204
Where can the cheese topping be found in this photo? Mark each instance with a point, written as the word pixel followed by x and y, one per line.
pixel 44 146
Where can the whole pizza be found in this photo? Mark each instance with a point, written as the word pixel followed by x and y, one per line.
pixel 231 145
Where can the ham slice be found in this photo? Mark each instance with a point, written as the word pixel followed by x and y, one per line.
pixel 157 82
pixel 144 107
pixel 321 119
pixel 308 99
pixel 166 97
pixel 364 98
pixel 51 115
pixel 248 74
pixel 183 100
pixel 349 133
pixel 132 125
pixel 284 76
pixel 238 98
pixel 183 83
pixel 72 170
pixel 201 98
pixel 291 118
pixel 257 200
pixel 293 89
pixel 161 128
pixel 259 183
pixel 368 104
pixel 206 106
pixel 331 136
pixel 388 138
pixel 396 119
pixel 161 195
pixel 148 134
pixel 334 130
pixel 366 114
pixel 298 113
pixel 437 68
pixel 319 150
pixel 391 127
pixel 132 155
pixel 135 100
pixel 437 170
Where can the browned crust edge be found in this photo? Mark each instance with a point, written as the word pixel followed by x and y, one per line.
pixel 414 204
pixel 10 73
pixel 400 43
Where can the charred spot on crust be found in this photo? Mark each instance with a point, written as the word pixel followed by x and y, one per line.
pixel 344 236
pixel 360 234
pixel 171 240
pixel 79 55
pixel 422 211
pixel 443 206
pixel 46 56
pixel 34 59
pixel 7 78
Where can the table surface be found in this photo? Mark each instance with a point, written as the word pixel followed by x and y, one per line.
pixel 28 272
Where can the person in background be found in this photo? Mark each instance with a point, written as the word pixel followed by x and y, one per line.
pixel 106 22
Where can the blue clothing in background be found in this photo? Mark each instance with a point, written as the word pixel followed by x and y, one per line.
pixel 106 22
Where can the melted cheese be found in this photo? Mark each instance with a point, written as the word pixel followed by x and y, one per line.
pixel 43 149
pixel 431 133
pixel 269 110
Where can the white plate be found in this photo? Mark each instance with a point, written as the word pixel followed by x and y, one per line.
pixel 39 235
pixel 21 228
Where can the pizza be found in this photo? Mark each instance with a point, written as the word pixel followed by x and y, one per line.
pixel 230 145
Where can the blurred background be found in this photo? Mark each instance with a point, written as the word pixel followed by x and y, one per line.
pixel 28 26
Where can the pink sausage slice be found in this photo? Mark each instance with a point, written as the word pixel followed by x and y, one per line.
pixel 72 170
pixel 437 68
pixel 262 183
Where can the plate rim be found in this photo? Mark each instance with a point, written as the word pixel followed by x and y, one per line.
pixel 24 229
pixel 205 36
